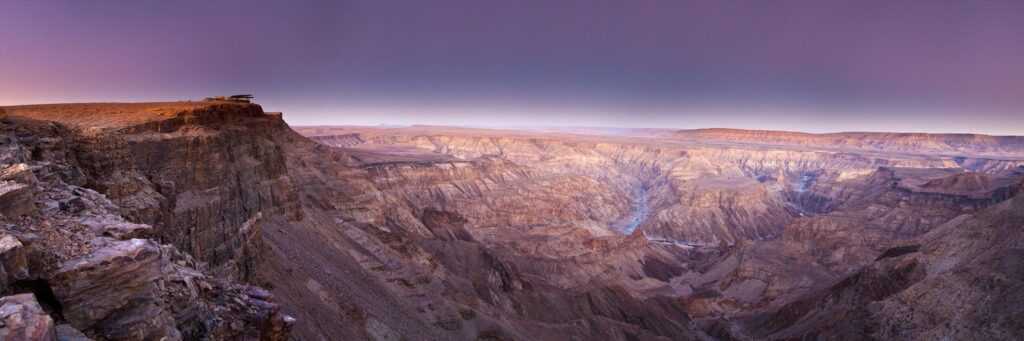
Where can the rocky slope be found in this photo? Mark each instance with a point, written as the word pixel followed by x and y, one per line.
pixel 959 281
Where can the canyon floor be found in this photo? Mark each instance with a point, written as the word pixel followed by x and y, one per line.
pixel 216 220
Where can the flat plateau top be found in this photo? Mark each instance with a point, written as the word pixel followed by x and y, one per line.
pixel 104 115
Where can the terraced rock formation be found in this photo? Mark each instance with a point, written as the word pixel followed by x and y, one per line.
pixel 749 227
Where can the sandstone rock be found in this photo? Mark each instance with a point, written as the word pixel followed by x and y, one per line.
pixel 19 172
pixel 16 199
pixel 23 319
pixel 66 332
pixel 112 291
pixel 115 227
pixel 13 260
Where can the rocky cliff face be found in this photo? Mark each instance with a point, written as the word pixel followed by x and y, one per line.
pixel 204 178
pixel 108 203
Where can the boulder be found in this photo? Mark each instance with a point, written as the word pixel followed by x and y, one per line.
pixel 18 172
pixel 13 262
pixel 116 227
pixel 66 332
pixel 23 319
pixel 16 199
pixel 113 291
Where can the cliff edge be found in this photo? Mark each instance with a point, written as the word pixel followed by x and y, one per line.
pixel 137 221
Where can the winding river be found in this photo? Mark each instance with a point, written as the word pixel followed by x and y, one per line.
pixel 637 214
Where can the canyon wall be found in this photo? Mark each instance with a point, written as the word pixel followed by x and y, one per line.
pixel 730 229
pixel 700 194
pixel 404 243
pixel 137 218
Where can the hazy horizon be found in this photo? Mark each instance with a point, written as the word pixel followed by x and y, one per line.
pixel 802 65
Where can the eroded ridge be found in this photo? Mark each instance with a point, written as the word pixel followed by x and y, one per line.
pixel 746 228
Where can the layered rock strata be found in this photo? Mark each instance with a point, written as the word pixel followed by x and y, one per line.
pixel 90 245
pixel 730 229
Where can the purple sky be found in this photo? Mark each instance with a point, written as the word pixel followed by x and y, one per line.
pixel 812 65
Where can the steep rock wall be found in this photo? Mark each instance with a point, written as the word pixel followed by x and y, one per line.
pixel 203 178
pixel 92 269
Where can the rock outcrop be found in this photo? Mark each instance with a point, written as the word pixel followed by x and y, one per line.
pixel 115 276
pixel 24 320
pixel 88 241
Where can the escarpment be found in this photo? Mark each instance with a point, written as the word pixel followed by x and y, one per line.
pixel 140 217
pixel 204 177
